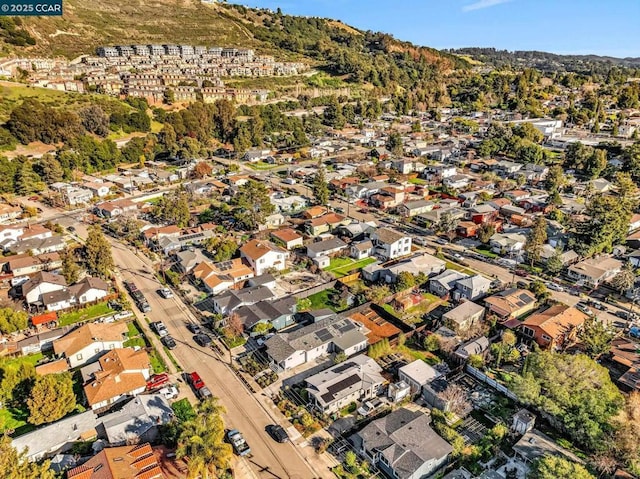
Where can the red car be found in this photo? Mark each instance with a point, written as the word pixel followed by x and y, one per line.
pixel 521 272
pixel 157 380
pixel 195 380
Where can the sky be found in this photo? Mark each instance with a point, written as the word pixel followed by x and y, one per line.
pixel 601 27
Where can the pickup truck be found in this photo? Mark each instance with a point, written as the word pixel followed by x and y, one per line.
pixel 201 390
pixel 160 328
pixel 240 446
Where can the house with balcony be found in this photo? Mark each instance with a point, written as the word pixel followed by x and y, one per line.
pixel 594 271
pixel 390 244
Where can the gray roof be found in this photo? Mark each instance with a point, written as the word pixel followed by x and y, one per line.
pixel 464 311
pixel 447 278
pixel 388 235
pixel 42 277
pixel 326 245
pixel 420 372
pixel 406 440
pixel 137 417
pixel 535 444
pixel 252 314
pixel 474 282
pixel 341 331
pixel 22 246
pixel 230 300
pixel 53 437
pixel 475 346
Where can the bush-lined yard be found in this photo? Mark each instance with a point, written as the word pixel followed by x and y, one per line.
pixel 340 267
pixel 85 314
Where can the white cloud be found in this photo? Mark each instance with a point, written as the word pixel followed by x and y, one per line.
pixel 480 4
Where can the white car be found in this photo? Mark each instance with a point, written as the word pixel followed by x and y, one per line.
pixel 166 293
pixel 555 287
pixel 169 392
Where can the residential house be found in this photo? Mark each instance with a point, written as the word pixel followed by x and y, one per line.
pixel 594 271
pixel 124 462
pixel 89 290
pixel 467 229
pixel 263 256
pixel 57 437
pixel 442 284
pixel 517 195
pixel 138 420
pixel 361 249
pixel 287 237
pixel 228 301
pixel 25 264
pixel 99 189
pixel 554 327
pixel 414 208
pixel 403 166
pixel 471 288
pixel 9 213
pixel 119 373
pixel 507 243
pixel 456 182
pixel 328 247
pixel 473 347
pixel 463 316
pixel 484 213
pixel 325 223
pixel 88 342
pixel 219 277
pixel 403 445
pixel 390 244
pixel 277 314
pixel 288 350
pixel 511 303
pixel 36 246
pixel 315 212
pixel 534 445
pixel 112 209
pixel 42 283
pixel 74 196
pixel 355 380
pixel 420 263
pixel 417 374
pixel 624 353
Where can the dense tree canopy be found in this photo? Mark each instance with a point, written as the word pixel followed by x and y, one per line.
pixel 51 398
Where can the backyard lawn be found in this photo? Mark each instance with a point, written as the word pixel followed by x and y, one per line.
pixel 15 420
pixel 135 338
pixel 343 266
pixel 85 314
pixel 323 300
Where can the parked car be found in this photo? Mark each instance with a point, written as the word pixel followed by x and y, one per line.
pixel 169 392
pixel 166 293
pixel 278 433
pixel 584 308
pixel 169 342
pixel 596 304
pixel 160 328
pixel 521 272
pixel 194 328
pixel 202 340
pixel 555 287
pixel 522 284
pixel 442 241
pixel 239 444
pixel 624 314
pixel 157 380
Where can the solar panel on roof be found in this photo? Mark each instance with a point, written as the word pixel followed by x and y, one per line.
pixel 225 265
pixel 323 334
pixel 345 328
pixel 343 367
pixel 524 298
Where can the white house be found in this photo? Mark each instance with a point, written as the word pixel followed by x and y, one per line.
pixel 88 290
pixel 42 283
pixel 263 256
pixel 456 182
pixel 390 244
pixel 507 243
pixel 88 342
pixel 417 375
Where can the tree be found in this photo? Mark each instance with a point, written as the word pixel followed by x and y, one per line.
pixel 505 350
pixel 320 186
pixel 252 204
pixel 432 343
pixel 626 437
pixel 457 399
pixel 50 169
pixel 12 320
pixel 202 440
pixel 607 225
pixel 173 209
pixel 202 170
pixel 556 180
pixel 15 465
pixel 536 239
pixel 539 289
pixel 27 180
pixel 553 467
pixel 70 268
pixel 579 397
pixel 94 120
pixel 596 337
pixel 377 294
pixel 221 249
pixel 234 325
pixel 51 398
pixel 394 143
pixel 447 225
pixel 555 263
pixel 97 251
pixel 486 231
pixel 624 280
pixel 405 280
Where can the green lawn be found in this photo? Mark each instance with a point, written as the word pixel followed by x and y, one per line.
pixel 85 314
pixel 16 420
pixel 261 165
pixel 486 252
pixel 321 300
pixel 457 267
pixel 16 362
pixel 343 266
pixel 417 181
pixel 132 329
pixel 157 364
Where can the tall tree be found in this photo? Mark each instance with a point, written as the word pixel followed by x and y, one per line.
pixel 51 398
pixel 202 441
pixel 555 263
pixel 447 225
pixel 50 169
pixel 252 204
pixel 486 231
pixel 70 268
pixel 27 180
pixel 556 180
pixel 15 465
pixel 536 239
pixel 394 143
pixel 607 225
pixel 12 320
pixel 596 336
pixel 554 467
pixel 97 251
pixel 320 186
pixel 624 280
pixel 626 438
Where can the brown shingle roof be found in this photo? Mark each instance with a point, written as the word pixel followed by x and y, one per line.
pixel 126 462
pixel 87 334
pixel 286 235
pixel 555 320
pixel 256 249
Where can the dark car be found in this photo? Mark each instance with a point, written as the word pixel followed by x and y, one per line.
pixel 202 340
pixel 277 432
pixel 194 328
pixel 623 314
pixel 521 272
pixel 169 342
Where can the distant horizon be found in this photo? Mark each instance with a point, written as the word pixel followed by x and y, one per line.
pixel 571 27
